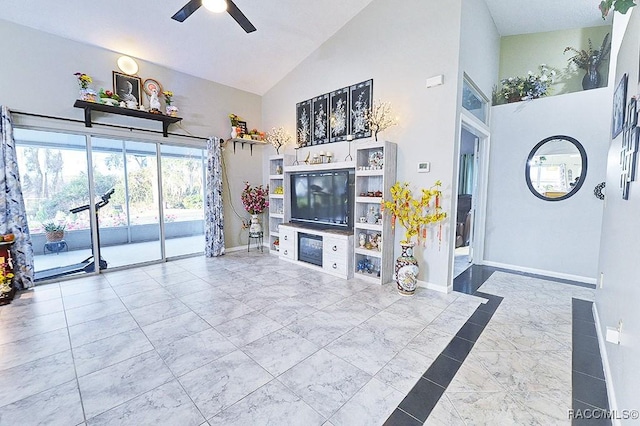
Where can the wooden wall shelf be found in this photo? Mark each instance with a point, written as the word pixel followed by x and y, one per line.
pixel 94 106
pixel 243 141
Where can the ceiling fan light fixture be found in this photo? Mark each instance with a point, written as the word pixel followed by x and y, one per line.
pixel 127 65
pixel 215 6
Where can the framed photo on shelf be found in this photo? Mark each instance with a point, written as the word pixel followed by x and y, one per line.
pixel 243 127
pixel 128 87
pixel 320 124
pixel 149 85
pixel 360 95
pixel 339 115
pixel 619 106
pixel 303 123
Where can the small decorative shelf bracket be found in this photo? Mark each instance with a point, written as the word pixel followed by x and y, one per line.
pixel 88 107
pixel 243 141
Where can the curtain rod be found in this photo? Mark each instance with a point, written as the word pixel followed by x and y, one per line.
pixel 73 120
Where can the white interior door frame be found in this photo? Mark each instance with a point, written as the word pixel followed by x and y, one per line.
pixel 479 200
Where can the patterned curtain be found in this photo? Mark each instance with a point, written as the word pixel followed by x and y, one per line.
pixel 214 211
pixel 12 212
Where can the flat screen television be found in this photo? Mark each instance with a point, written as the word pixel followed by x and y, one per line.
pixel 323 199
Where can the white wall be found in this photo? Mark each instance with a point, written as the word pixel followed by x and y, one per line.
pixel 479 45
pixel 557 238
pixel 37 77
pixel 399 45
pixel 619 251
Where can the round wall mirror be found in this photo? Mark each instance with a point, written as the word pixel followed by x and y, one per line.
pixel 556 168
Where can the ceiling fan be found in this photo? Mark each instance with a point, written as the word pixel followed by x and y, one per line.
pixel 215 6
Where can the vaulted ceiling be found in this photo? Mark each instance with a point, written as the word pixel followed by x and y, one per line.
pixel 214 47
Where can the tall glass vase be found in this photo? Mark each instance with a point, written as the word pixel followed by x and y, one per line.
pixel 406 270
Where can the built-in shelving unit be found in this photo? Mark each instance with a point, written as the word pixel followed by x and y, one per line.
pixel 88 107
pixel 373 236
pixel 276 201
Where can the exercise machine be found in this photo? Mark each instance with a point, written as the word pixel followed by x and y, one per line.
pixel 89 264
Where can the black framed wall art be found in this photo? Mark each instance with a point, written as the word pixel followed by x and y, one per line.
pixel 303 123
pixel 339 115
pixel 360 100
pixel 619 106
pixel 320 125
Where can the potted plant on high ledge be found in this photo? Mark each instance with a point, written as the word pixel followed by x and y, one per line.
pixel 54 232
pixel 590 60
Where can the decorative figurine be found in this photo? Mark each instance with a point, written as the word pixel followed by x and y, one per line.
pixel 154 102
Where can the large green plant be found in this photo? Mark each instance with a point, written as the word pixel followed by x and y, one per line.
pixel 621 6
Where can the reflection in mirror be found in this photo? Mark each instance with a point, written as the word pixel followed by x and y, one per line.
pixel 556 168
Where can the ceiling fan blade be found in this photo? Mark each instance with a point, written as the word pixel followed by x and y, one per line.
pixel 187 10
pixel 239 17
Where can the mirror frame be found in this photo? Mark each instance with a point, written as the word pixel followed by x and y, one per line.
pixel 583 173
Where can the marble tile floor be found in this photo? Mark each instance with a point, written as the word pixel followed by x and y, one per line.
pixel 520 369
pixel 246 339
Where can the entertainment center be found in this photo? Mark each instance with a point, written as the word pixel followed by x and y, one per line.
pixel 331 219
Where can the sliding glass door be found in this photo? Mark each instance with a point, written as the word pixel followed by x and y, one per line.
pixel 55 185
pixel 130 222
pixel 183 194
pixel 147 200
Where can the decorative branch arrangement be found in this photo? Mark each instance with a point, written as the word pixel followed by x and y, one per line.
pixel 586 59
pixel 379 117
pixel 278 138
pixel 414 214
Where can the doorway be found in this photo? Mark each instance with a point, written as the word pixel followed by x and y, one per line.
pixel 467 169
pixel 471 187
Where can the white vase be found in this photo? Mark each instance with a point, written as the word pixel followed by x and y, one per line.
pixel 255 226
pixel 234 133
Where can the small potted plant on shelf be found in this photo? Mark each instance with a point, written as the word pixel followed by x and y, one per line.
pixel 54 232
pixel 533 86
pixel 621 6
pixel 108 97
pixel 86 92
pixel 171 110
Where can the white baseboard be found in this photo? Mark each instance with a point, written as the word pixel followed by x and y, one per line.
pixel 553 274
pixel 236 248
pixel 436 287
pixel 613 403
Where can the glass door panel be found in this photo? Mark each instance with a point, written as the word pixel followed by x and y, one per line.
pixel 183 196
pixel 54 180
pixel 129 222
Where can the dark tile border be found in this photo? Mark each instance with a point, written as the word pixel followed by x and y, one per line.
pixel 423 397
pixel 589 389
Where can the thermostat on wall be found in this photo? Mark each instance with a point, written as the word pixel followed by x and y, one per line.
pixel 424 167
